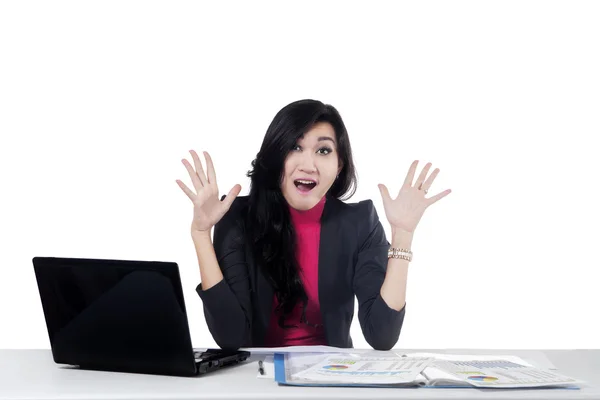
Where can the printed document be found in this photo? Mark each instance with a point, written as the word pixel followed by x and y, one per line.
pixel 377 368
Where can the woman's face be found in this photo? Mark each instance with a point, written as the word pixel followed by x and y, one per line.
pixel 311 167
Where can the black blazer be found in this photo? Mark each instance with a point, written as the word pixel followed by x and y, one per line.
pixel 352 262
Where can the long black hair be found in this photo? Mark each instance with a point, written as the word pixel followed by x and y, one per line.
pixel 268 222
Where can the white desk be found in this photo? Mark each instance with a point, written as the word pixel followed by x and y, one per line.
pixel 32 374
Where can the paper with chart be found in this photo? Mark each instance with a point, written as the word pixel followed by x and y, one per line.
pixel 501 374
pixel 360 369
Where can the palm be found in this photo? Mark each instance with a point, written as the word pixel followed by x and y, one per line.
pixel 405 211
pixel 208 209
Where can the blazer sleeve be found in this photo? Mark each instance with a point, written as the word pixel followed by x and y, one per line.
pixel 227 305
pixel 380 324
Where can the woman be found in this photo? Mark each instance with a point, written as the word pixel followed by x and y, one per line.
pixel 289 259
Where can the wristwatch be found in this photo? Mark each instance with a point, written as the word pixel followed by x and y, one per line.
pixel 403 254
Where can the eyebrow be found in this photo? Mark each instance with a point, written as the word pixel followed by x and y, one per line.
pixel 322 138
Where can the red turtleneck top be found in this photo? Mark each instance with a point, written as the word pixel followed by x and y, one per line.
pixel 308 231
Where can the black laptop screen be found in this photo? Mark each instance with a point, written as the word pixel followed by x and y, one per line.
pixel 96 307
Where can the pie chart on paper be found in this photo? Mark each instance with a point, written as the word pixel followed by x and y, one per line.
pixel 335 367
pixel 482 378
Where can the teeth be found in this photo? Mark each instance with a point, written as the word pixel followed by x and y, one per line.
pixel 304 182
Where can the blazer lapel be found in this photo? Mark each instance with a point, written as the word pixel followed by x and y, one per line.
pixel 327 250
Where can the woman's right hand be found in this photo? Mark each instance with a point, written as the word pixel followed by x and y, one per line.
pixel 208 208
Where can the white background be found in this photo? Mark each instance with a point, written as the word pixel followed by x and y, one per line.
pixel 100 101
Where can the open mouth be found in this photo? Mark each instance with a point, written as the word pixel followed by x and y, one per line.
pixel 305 186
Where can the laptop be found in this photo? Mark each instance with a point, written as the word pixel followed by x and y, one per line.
pixel 122 316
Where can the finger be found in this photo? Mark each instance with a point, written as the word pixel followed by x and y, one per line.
pixel 235 190
pixel 422 175
pixel 210 168
pixel 385 194
pixel 195 179
pixel 186 190
pixel 439 196
pixel 427 184
pixel 199 169
pixel 411 174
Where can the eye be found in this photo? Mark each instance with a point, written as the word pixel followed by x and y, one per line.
pixel 295 147
pixel 326 149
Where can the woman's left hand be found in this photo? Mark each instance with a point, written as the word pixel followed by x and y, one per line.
pixel 405 211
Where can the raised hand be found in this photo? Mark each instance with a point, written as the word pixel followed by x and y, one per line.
pixel 405 211
pixel 208 208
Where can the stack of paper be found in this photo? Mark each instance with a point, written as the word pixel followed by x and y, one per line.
pixel 375 368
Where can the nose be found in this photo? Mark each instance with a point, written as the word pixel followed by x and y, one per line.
pixel 307 163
